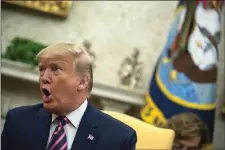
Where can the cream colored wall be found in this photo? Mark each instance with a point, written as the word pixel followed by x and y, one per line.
pixel 114 28
pixel 218 141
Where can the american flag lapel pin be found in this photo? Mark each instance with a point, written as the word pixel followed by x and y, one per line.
pixel 90 137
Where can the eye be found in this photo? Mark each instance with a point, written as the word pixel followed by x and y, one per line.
pixel 55 67
pixel 41 68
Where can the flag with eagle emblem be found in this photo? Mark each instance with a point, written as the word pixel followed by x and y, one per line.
pixel 184 79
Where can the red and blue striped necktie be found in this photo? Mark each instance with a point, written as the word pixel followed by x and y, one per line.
pixel 58 140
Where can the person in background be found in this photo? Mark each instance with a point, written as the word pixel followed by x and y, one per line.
pixel 191 133
pixel 65 120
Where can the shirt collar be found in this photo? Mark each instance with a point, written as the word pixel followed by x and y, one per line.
pixel 76 115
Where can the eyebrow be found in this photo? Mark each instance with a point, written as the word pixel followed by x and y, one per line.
pixel 53 62
pixel 56 62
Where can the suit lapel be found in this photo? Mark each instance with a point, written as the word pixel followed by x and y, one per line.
pixel 42 129
pixel 87 133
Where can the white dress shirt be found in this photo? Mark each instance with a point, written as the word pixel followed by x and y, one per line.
pixel 70 128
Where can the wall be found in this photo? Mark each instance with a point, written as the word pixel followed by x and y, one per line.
pixel 16 93
pixel 114 28
pixel 219 138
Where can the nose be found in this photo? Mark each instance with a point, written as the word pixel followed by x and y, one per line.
pixel 45 78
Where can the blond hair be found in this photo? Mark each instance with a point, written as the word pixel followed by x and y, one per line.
pixel 82 60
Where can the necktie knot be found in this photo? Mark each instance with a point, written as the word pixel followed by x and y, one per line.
pixel 62 120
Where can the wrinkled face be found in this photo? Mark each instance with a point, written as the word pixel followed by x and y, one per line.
pixel 58 83
pixel 187 144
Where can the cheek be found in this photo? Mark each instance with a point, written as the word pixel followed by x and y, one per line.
pixel 72 85
pixel 64 86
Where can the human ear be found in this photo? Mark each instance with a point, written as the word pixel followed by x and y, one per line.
pixel 83 83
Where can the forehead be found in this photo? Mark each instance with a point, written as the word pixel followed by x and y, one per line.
pixel 65 58
pixel 194 141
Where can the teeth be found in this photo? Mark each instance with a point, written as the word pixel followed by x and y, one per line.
pixel 46 92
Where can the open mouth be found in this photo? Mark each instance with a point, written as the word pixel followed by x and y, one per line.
pixel 46 92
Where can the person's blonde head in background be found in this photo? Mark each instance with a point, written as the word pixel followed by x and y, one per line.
pixel 190 131
pixel 66 73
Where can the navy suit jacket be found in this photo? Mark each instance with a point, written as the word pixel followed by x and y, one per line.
pixel 27 128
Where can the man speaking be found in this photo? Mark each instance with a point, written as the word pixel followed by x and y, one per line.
pixel 65 120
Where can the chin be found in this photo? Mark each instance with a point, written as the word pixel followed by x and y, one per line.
pixel 53 109
pixel 50 107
